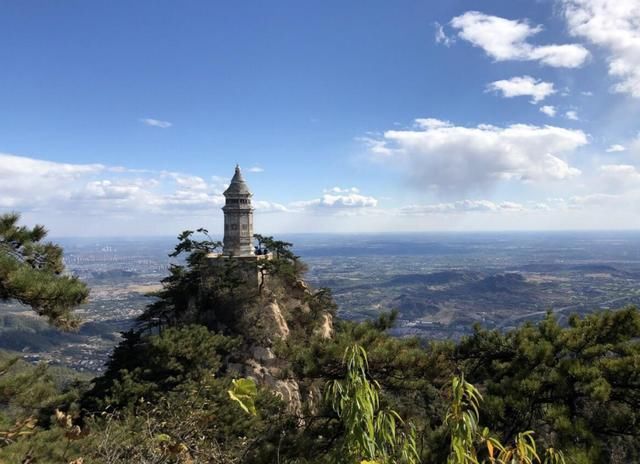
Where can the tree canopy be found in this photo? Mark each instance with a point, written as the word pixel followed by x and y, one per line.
pixel 572 390
pixel 32 272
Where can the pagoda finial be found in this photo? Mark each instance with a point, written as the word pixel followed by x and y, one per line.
pixel 237 184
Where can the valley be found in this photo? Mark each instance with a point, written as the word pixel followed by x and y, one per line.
pixel 440 284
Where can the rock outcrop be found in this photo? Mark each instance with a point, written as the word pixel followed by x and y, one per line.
pixel 277 310
pixel 274 320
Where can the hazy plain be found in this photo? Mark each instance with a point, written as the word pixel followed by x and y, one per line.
pixel 441 284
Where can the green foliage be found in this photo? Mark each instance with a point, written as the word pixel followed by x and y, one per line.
pixel 284 265
pixel 31 272
pixel 463 421
pixel 28 390
pixel 198 292
pixel 386 320
pixel 281 250
pixel 371 434
pixel 168 396
pixel 195 422
pixel 197 249
pixel 29 398
pixel 190 409
pixel 402 366
pixel 582 382
pixel 146 367
pixel 244 391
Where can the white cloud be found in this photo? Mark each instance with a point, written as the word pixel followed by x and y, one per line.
pixel 549 110
pixel 263 206
pixel 31 184
pixel 625 170
pixel 613 25
pixel 463 206
pixel 560 56
pixel 376 146
pixel 573 115
pixel 504 39
pixel 590 205
pixel 155 199
pixel 338 198
pixel 615 148
pixel 619 177
pixel 523 86
pixel 448 158
pixel 441 37
pixel 112 190
pixel 30 181
pixel 591 200
pixel 186 181
pixel 431 123
pixel 13 166
pixel 256 169
pixel 156 123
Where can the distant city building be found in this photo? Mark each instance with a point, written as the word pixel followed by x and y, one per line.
pixel 238 218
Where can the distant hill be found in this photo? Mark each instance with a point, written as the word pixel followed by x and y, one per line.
pixel 414 308
pixel 509 282
pixel 29 334
pixel 113 274
pixel 433 278
pixel 560 267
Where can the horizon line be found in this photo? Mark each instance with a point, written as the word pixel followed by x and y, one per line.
pixel 426 232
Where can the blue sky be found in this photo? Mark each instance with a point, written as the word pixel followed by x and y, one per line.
pixel 126 118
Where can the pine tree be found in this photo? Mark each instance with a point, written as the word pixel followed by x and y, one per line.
pixel 32 272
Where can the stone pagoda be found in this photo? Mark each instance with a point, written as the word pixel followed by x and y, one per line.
pixel 238 218
pixel 238 256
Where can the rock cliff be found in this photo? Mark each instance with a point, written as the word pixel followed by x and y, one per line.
pixel 281 310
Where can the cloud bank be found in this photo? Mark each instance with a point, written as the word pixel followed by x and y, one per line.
pixel 452 159
pixel 338 198
pixel 32 184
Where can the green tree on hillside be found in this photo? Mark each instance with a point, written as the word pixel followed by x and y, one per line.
pixel 371 434
pixel 150 366
pixel 284 265
pixel 582 382
pixel 31 272
pixel 197 291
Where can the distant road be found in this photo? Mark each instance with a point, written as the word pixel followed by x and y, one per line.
pixel 514 319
